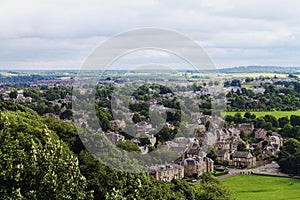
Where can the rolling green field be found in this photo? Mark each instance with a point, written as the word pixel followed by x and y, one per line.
pixel 276 114
pixel 254 75
pixel 249 187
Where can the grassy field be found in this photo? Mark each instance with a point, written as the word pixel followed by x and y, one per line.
pixel 248 85
pixel 276 114
pixel 249 187
pixel 256 75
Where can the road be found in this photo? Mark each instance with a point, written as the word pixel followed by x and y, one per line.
pixel 271 169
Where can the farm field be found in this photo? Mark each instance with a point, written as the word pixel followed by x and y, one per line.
pixel 276 114
pixel 255 75
pixel 249 187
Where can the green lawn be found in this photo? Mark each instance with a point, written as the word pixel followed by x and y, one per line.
pixel 248 85
pixel 277 114
pixel 249 187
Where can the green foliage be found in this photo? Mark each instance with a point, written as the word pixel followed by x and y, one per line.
pixel 295 120
pixel 142 108
pixel 104 117
pixel 13 94
pixel 67 114
pixel 128 146
pixel 66 132
pixel 212 189
pixel 241 146
pixel 212 154
pixel 34 163
pixel 289 156
pixel 51 95
pixel 136 118
pixel 33 93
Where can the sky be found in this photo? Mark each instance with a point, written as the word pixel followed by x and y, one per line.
pixel 44 34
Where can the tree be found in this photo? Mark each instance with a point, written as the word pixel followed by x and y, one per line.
pixel 34 163
pixel 51 95
pixel 241 146
pixel 268 126
pixel 67 114
pixel 164 134
pixel 128 146
pixel 13 94
pixel 237 118
pixel 212 154
pixel 157 119
pixel 287 130
pixel 295 120
pixel 212 189
pixel 104 117
pixel 136 118
pixel 282 121
pixel 229 118
pixel 247 115
pixel 289 156
pixel 273 120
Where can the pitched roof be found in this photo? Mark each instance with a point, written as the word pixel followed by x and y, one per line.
pixel 241 154
pixel 193 151
pixel 220 153
pixel 190 162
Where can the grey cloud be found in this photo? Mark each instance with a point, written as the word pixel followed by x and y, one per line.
pixel 61 32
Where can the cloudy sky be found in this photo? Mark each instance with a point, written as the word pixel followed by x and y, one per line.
pixel 44 34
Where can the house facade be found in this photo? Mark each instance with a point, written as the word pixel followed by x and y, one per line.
pixel 243 159
pixel 166 172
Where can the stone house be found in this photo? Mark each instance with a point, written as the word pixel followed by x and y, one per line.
pixel 243 159
pixel 247 128
pixel 221 145
pixel 115 138
pixel 276 140
pixel 166 172
pixel 143 127
pixel 205 118
pixel 270 150
pixel 260 134
pixel 197 165
pixel 222 155
pixel 117 124
pixel 192 166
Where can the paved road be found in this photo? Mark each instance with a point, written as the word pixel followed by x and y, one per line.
pixel 272 169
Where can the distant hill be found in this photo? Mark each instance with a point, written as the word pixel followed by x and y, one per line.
pixel 262 69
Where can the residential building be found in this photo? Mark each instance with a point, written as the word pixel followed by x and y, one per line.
pixel 243 159
pixel 222 155
pixel 115 138
pixel 166 172
pixel 246 127
pixel 260 134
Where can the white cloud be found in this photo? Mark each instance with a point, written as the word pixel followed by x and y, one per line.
pixel 62 33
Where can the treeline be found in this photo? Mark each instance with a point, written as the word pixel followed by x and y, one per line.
pixel 273 98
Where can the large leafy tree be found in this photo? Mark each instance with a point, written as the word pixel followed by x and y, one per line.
pixel 289 156
pixel 34 163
